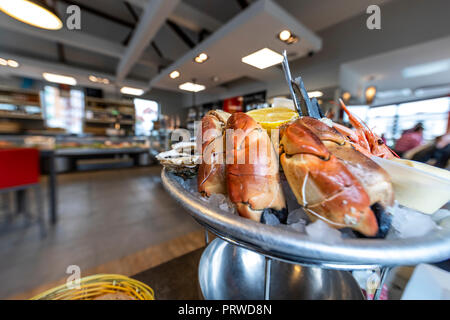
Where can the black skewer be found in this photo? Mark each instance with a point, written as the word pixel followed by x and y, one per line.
pixel 292 88
pixel 316 103
pixel 299 94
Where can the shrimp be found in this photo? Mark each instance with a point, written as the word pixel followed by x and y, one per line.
pixel 366 138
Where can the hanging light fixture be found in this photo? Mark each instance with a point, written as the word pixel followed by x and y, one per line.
pixel 346 96
pixel 370 94
pixel 33 12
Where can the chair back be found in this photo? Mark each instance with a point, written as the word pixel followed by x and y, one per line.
pixel 19 167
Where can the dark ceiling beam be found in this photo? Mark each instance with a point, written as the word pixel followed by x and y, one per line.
pixel 157 50
pixel 131 11
pixel 180 33
pixel 203 34
pixel 242 3
pixel 131 25
pixel 61 52
pixel 136 19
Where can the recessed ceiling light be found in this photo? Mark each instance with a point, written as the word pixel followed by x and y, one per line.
pixel 174 74
pixel 3 62
pixel 193 87
pixel 263 58
pixel 57 78
pixel 32 12
pixel 95 79
pixel 132 91
pixel 202 57
pixel 13 63
pixel 284 35
pixel 287 37
pixel 315 94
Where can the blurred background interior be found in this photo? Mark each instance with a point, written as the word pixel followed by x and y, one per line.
pixel 98 102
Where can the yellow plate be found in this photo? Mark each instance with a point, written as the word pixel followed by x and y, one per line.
pixel 272 118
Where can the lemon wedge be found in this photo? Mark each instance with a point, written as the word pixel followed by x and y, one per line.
pixel 272 118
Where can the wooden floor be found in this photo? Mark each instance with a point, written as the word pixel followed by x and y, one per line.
pixel 118 221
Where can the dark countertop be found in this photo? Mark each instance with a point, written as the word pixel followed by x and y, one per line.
pixel 176 279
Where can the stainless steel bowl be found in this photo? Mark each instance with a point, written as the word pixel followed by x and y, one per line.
pixel 291 246
pixel 231 272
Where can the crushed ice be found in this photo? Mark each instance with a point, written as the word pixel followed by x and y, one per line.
pixel 320 231
pixel 409 223
pixel 406 223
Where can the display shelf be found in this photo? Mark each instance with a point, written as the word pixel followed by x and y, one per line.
pixel 14 112
pixel 12 115
pixel 104 113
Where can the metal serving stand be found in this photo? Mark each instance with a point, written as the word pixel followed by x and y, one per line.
pixel 287 245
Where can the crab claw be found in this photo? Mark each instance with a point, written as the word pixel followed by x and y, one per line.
pixel 321 183
pixel 211 172
pixel 253 181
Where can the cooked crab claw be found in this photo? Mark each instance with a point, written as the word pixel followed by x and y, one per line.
pixel 374 179
pixel 252 175
pixel 211 172
pixel 321 183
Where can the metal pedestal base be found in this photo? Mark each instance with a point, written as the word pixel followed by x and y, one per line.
pixel 231 272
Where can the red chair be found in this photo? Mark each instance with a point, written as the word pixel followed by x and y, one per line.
pixel 19 171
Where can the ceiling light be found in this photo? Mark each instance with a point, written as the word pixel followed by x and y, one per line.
pixel 193 87
pixel 95 79
pixel 174 74
pixel 315 94
pixel 284 35
pixel 263 58
pixel 287 37
pixel 3 62
pixel 32 12
pixel 132 91
pixel 13 63
pixel 370 94
pixel 57 78
pixel 346 96
pixel 202 57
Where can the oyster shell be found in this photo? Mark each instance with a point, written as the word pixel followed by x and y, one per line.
pixel 180 162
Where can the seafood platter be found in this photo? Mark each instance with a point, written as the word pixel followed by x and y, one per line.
pixel 293 185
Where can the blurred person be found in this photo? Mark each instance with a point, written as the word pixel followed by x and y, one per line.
pixel 442 151
pixel 410 139
pixel 436 153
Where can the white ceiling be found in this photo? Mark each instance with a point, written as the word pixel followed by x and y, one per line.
pixel 100 44
pixel 386 71
pixel 253 29
pixel 318 15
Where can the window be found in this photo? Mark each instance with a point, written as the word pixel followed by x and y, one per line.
pixel 432 113
pixel 381 120
pixel 64 109
pixel 392 120
pixel 146 114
